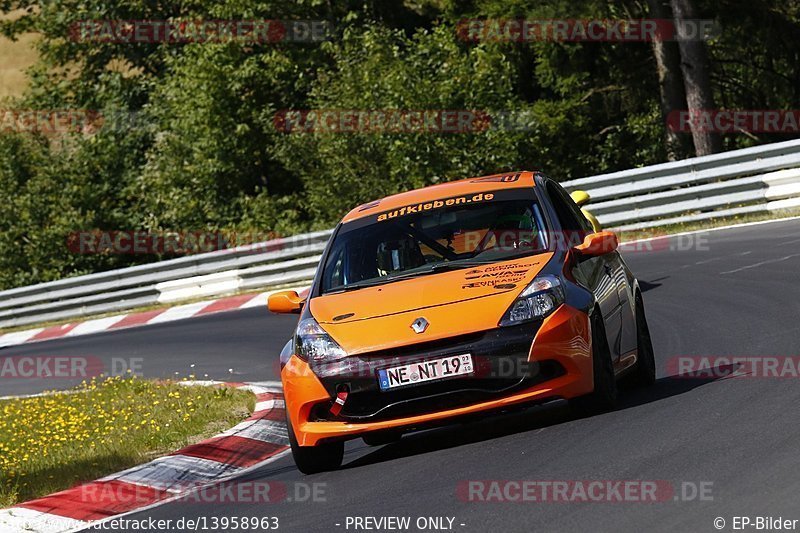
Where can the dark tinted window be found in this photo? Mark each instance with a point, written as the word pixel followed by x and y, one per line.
pixel 570 217
pixel 450 235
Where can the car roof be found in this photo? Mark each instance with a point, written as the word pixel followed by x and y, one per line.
pixel 441 191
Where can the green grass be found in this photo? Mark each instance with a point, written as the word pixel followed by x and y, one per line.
pixel 53 442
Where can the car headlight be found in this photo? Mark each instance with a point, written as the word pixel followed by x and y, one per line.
pixel 315 345
pixel 539 299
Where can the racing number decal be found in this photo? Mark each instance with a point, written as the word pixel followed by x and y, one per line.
pixel 502 178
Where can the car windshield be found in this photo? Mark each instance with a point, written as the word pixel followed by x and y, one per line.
pixel 444 235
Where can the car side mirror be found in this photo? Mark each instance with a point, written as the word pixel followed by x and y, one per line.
pixel 580 197
pixel 285 302
pixel 597 244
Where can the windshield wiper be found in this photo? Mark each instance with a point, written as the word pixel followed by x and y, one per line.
pixel 358 285
pixel 388 279
pixel 458 265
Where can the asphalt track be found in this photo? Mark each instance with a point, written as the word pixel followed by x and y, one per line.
pixel 732 292
pixel 240 345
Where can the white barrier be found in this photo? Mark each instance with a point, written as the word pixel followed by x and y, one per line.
pixel 752 180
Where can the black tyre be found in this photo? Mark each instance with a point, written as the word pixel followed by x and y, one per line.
pixel 314 459
pixel 604 396
pixel 644 373
pixel 381 439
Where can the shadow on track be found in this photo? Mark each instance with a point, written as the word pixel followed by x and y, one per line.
pixel 650 285
pixel 500 425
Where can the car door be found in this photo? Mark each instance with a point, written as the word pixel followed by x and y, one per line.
pixel 595 273
pixel 622 278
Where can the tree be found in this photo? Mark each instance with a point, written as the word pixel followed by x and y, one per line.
pixel 204 153
pixel 384 70
pixel 696 77
pixel 670 82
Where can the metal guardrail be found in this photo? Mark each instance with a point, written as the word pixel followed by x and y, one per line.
pixel 210 274
pixel 758 179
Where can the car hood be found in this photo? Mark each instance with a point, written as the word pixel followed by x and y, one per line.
pixel 453 303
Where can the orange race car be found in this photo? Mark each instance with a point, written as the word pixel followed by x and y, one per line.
pixel 458 299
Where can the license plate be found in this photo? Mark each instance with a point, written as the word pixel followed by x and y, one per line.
pixel 424 371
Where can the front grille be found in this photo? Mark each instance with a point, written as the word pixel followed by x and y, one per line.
pixel 500 358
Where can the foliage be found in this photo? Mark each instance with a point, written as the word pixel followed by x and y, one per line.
pixel 195 146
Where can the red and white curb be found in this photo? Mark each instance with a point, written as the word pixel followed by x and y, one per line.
pixel 156 316
pixel 259 440
pixel 143 318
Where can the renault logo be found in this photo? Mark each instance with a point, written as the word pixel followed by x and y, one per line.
pixel 419 325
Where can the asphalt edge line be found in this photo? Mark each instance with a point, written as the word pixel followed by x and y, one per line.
pixel 36 331
pixel 709 230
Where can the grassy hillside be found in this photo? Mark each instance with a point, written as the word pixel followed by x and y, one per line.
pixel 15 57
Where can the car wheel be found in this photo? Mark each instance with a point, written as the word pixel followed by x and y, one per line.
pixel 315 459
pixel 382 438
pixel 604 396
pixel 644 373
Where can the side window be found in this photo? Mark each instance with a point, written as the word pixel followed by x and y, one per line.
pixel 334 270
pixel 570 217
pixel 582 220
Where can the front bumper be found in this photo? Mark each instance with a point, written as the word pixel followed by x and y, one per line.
pixel 557 364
